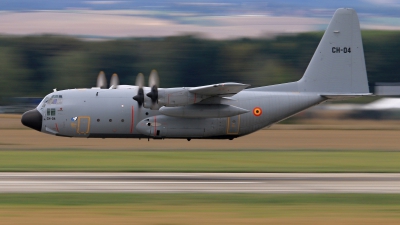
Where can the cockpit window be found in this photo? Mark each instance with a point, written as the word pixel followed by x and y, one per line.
pixel 55 99
pixel 51 100
pixel 44 101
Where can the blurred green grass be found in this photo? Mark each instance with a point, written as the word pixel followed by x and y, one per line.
pixel 117 208
pixel 88 199
pixel 297 161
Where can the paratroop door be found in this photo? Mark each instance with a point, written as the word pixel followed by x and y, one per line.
pixel 83 125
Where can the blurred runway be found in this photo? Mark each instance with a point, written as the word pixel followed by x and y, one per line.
pixel 200 182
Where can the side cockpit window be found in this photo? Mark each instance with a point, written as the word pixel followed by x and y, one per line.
pixel 51 111
pixel 44 102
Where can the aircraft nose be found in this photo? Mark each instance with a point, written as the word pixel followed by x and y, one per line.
pixel 32 119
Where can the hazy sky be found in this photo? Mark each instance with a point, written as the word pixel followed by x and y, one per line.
pixel 209 18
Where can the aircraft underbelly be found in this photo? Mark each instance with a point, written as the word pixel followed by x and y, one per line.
pixel 171 127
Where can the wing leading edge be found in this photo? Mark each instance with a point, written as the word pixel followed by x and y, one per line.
pixel 222 89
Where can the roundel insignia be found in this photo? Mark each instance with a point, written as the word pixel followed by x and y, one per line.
pixel 257 111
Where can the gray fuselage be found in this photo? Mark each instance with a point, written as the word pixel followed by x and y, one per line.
pixel 112 113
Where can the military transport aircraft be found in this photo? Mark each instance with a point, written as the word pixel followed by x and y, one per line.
pixel 219 111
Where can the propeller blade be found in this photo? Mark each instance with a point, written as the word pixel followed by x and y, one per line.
pixel 140 80
pixel 101 80
pixel 153 79
pixel 114 82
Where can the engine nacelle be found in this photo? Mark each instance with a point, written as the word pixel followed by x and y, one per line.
pixel 171 97
pixel 203 111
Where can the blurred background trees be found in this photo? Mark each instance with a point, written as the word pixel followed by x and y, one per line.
pixel 34 65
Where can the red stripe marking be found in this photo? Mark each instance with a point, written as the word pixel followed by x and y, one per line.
pixel 155 125
pixel 132 119
pixel 57 128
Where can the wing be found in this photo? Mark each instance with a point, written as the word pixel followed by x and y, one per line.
pixel 221 90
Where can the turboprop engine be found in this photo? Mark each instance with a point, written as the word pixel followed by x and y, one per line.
pixel 153 97
pixel 172 97
pixel 171 100
pixel 203 111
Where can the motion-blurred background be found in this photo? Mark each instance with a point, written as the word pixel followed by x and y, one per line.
pixel 63 44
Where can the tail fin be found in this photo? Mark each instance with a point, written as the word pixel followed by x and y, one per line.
pixel 338 65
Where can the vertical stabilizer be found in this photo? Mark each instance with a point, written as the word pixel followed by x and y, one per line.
pixel 338 65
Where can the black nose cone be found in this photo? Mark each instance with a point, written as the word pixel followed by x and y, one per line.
pixel 32 119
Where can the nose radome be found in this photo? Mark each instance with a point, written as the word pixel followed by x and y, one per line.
pixel 32 119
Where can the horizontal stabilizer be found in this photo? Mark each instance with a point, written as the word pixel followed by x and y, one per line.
pixel 341 96
pixel 223 89
pixel 389 89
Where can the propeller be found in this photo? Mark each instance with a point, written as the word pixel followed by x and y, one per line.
pixel 154 83
pixel 140 95
pixel 139 80
pixel 114 82
pixel 101 80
